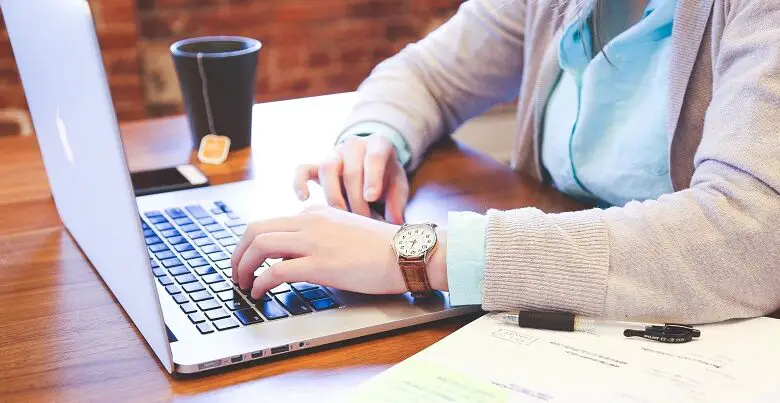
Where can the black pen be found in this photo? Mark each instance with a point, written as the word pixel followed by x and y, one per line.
pixel 569 322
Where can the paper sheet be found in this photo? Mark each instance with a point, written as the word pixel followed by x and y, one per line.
pixel 488 361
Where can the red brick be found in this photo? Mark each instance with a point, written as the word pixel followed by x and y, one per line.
pixel 318 59
pixel 118 37
pixel 13 96
pixel 377 8
pixel 401 31
pixel 123 63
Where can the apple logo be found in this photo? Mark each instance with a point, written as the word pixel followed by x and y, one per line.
pixel 64 137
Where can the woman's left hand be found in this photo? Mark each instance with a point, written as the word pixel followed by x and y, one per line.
pixel 325 246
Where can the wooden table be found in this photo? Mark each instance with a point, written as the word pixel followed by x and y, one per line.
pixel 64 338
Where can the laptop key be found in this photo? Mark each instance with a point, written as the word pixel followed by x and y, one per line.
pixel 204 270
pixel 190 228
pixel 300 287
pixel 239 230
pixel 188 307
pixel 217 211
pixel 148 232
pixel 271 310
pixel 231 248
pixel 197 317
pixel 183 221
pixel 157 219
pixel 163 226
pixel 227 241
pixel 217 314
pixel 212 278
pixel 154 263
pixel 196 234
pixel 197 262
pixel 225 324
pixel 236 304
pixel 248 316
pixel 210 249
pixel 228 295
pixel 209 304
pixel 203 242
pixel 158 247
pixel 234 223
pixel 169 233
pixel 222 286
pixel 323 304
pixel 197 211
pixel 178 270
pixel 151 240
pixel 194 288
pixel 205 328
pixel 314 293
pixel 186 278
pixel 213 227
pixel 175 213
pixel 218 256
pixel 183 247
pixel 206 220
pixel 172 289
pixel 228 272
pixel 223 264
pixel 190 254
pixel 152 213
pixel 166 254
pixel 293 303
pixel 177 240
pixel 221 234
pixel 284 287
pixel 165 280
pixel 158 272
pixel 180 298
pixel 171 262
pixel 200 296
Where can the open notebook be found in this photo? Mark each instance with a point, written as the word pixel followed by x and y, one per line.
pixel 489 361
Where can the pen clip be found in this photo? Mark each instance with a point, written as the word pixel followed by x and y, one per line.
pixel 668 333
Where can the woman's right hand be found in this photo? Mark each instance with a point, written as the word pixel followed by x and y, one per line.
pixel 360 171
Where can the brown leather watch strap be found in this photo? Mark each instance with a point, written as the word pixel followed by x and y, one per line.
pixel 415 276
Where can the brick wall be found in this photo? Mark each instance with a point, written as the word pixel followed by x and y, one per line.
pixel 310 47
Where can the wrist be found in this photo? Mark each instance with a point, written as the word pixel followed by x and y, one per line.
pixel 436 269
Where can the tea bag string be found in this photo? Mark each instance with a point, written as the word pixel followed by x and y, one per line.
pixel 205 85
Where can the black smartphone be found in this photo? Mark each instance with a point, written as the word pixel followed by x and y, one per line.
pixel 168 179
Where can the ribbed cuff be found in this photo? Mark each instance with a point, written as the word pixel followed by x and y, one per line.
pixel 465 257
pixel 540 261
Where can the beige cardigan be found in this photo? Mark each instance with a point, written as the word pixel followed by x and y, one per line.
pixel 710 251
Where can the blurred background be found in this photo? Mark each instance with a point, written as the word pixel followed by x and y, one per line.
pixel 310 47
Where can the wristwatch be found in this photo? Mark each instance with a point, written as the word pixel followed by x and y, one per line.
pixel 413 245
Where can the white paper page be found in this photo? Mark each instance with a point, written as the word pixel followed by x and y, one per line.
pixel 488 361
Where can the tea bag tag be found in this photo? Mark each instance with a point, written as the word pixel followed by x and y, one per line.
pixel 213 149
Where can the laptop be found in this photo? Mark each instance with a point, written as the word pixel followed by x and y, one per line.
pixel 165 257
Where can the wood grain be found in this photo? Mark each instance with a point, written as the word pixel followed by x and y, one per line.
pixel 64 338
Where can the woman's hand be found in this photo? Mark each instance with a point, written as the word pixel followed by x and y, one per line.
pixel 366 170
pixel 329 247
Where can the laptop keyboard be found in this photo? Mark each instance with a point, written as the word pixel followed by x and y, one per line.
pixel 190 248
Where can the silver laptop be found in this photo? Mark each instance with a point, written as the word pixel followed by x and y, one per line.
pixel 165 257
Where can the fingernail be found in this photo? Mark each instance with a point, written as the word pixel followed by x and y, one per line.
pixel 370 192
pixel 300 194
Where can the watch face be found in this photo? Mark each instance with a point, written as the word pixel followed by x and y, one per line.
pixel 414 240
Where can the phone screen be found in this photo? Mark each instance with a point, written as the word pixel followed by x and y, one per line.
pixel 167 180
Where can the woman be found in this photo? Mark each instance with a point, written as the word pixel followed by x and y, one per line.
pixel 672 125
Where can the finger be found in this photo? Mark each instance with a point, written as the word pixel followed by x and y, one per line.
pixel 353 180
pixel 287 271
pixel 396 196
pixel 267 246
pixel 303 174
pixel 330 179
pixel 378 154
pixel 281 224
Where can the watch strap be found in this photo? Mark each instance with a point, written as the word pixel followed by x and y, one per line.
pixel 415 276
